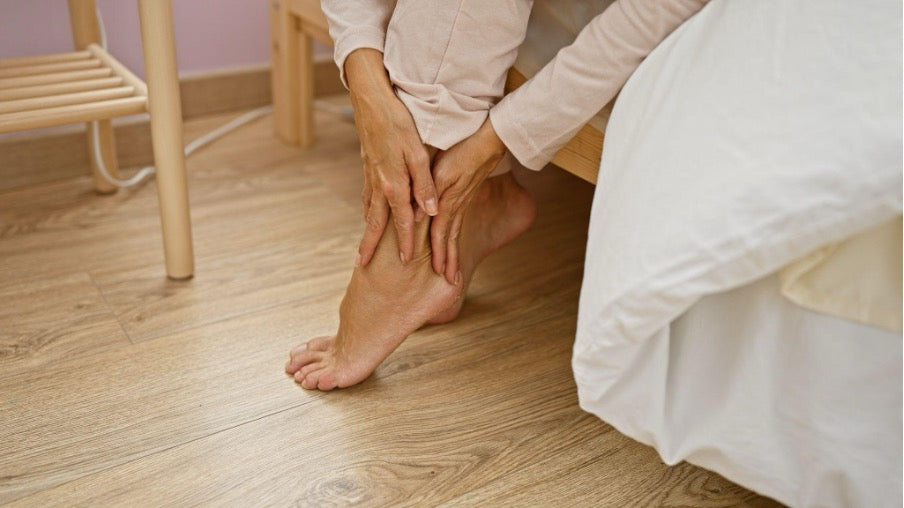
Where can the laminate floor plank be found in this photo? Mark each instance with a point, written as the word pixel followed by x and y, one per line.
pixel 44 320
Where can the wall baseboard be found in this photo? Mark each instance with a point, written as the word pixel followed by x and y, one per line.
pixel 54 154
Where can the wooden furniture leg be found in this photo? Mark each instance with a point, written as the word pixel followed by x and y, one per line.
pixel 293 76
pixel 85 31
pixel 166 134
pixel 281 77
pixel 305 49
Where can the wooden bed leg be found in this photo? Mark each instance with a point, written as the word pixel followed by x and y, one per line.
pixel 284 60
pixel 83 18
pixel 166 134
pixel 293 76
pixel 306 89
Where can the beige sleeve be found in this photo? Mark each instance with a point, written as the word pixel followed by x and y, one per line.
pixel 448 61
pixel 538 118
pixel 355 25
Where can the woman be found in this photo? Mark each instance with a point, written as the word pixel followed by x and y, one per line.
pixel 426 78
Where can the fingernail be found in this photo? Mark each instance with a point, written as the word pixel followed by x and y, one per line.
pixel 458 278
pixel 431 206
pixel 402 257
pixel 358 260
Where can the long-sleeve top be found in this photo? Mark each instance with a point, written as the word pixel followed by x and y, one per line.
pixel 448 62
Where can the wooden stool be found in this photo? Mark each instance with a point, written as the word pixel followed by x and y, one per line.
pixel 90 85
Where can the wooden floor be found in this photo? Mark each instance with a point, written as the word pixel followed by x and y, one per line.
pixel 118 386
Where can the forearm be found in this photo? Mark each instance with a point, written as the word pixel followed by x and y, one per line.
pixel 537 119
pixel 367 79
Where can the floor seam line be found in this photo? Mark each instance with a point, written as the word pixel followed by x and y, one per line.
pixel 103 297
pixel 150 454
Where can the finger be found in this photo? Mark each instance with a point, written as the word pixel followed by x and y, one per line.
pixel 403 218
pixel 366 196
pixel 377 217
pixel 368 188
pixel 453 269
pixel 424 189
pixel 420 215
pixel 439 232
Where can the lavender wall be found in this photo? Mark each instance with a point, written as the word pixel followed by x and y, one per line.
pixel 210 34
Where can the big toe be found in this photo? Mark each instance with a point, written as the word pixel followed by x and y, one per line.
pixel 300 358
pixel 320 343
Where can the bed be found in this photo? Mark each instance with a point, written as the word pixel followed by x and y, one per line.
pixel 741 300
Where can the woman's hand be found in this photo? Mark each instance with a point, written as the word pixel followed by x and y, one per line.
pixel 393 156
pixel 458 173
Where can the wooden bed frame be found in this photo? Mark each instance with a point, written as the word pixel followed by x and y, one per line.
pixel 295 24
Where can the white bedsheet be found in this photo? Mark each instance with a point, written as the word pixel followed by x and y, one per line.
pixel 766 393
pixel 755 134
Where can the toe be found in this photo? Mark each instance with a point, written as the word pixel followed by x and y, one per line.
pixel 326 380
pixel 311 380
pixel 307 369
pixel 298 349
pixel 301 359
pixel 292 365
pixel 320 343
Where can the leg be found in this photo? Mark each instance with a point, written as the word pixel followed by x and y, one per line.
pixel 500 213
pixel 85 31
pixel 166 133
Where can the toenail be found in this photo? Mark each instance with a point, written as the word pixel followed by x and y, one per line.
pixel 358 260
pixel 458 278
pixel 402 257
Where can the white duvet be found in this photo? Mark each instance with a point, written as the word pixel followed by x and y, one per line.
pixel 755 134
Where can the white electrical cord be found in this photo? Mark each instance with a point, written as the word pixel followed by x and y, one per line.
pixel 215 134
pixel 189 149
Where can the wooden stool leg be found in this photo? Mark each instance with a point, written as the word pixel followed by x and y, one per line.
pixel 164 106
pixel 293 76
pixel 85 31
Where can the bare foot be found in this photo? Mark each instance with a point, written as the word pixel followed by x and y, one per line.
pixel 500 213
pixel 384 303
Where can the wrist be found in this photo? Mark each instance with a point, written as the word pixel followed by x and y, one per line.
pixel 490 139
